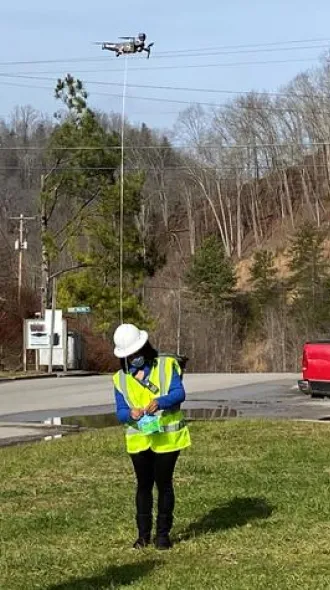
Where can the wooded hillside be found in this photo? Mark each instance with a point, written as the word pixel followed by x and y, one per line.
pixel 226 224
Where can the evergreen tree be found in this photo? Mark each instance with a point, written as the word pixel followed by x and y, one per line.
pixel 263 277
pixel 309 280
pixel 83 194
pixel 211 275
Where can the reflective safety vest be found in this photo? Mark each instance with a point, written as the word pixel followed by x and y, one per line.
pixel 175 434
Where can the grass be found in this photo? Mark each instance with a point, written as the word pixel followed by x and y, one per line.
pixel 252 512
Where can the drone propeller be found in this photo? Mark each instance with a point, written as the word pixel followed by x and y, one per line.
pixel 131 38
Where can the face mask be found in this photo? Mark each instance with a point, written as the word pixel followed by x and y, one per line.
pixel 137 362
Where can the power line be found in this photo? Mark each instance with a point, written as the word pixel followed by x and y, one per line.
pixel 213 65
pixel 240 51
pixel 271 108
pixel 171 52
pixel 250 146
pixel 221 64
pixel 194 168
pixel 196 54
pixel 267 44
pixel 180 88
pixel 178 101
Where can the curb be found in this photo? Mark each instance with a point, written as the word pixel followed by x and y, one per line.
pixel 82 374
pixel 47 376
pixel 26 377
pixel 41 426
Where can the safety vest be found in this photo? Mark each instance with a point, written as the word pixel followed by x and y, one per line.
pixel 175 434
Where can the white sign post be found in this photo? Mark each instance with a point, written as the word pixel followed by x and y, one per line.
pixel 37 335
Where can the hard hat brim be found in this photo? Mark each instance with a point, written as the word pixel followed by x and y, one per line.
pixel 122 353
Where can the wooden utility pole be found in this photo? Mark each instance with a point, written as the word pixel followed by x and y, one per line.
pixel 44 252
pixel 21 245
pixel 52 326
pixel 178 332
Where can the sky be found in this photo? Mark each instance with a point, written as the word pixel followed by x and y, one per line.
pixel 214 38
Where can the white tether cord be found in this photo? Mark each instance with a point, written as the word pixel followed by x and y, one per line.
pixel 121 222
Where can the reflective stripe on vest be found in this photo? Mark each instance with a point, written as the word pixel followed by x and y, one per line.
pixel 169 428
pixel 162 375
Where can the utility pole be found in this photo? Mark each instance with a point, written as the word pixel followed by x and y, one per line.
pixel 52 326
pixel 178 334
pixel 44 252
pixel 21 245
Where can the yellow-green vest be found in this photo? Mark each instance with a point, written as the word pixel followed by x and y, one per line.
pixel 176 434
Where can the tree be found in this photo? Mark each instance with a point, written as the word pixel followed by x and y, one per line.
pixel 309 280
pixel 267 311
pixel 263 277
pixel 81 213
pixel 211 275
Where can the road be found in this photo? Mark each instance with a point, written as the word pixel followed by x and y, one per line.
pixel 251 395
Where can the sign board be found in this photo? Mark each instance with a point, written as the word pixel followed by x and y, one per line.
pixel 38 331
pixel 82 309
pixel 37 335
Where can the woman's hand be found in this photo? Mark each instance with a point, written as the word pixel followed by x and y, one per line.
pixel 136 413
pixel 152 407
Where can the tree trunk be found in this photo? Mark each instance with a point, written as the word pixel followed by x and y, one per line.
pixel 239 218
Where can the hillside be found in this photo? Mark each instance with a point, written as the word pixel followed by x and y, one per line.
pixel 250 173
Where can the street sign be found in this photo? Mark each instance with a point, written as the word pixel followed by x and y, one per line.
pixel 37 335
pixel 82 309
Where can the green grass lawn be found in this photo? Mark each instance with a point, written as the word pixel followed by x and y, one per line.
pixel 252 512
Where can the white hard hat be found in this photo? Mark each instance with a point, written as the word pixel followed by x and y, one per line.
pixel 128 339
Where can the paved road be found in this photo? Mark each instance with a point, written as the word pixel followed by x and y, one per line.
pixel 20 400
pixel 269 395
pixel 23 403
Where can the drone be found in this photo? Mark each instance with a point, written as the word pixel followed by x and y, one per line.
pixel 130 45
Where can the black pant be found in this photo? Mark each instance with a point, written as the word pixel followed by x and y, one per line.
pixel 151 468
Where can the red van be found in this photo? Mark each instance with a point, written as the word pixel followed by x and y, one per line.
pixel 316 368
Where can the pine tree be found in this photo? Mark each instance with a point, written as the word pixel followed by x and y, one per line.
pixel 211 275
pixel 81 198
pixel 263 277
pixel 309 280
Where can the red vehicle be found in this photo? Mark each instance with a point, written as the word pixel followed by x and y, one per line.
pixel 316 368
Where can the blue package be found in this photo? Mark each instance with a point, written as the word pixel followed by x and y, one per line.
pixel 149 424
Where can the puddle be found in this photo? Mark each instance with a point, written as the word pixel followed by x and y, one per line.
pixel 92 421
pixel 210 413
pixel 108 420
pixel 58 427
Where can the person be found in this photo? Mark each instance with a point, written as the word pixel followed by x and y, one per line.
pixel 148 394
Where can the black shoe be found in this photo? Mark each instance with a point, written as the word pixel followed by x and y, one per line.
pixel 144 527
pixel 163 543
pixel 141 543
pixel 164 525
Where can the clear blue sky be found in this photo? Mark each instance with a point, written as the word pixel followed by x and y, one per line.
pixel 62 30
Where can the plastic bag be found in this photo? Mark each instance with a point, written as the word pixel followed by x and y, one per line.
pixel 149 424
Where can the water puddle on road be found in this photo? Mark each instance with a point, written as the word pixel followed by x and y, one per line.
pixel 55 428
pixel 108 420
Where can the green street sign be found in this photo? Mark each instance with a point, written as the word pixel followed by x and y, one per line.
pixel 83 309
